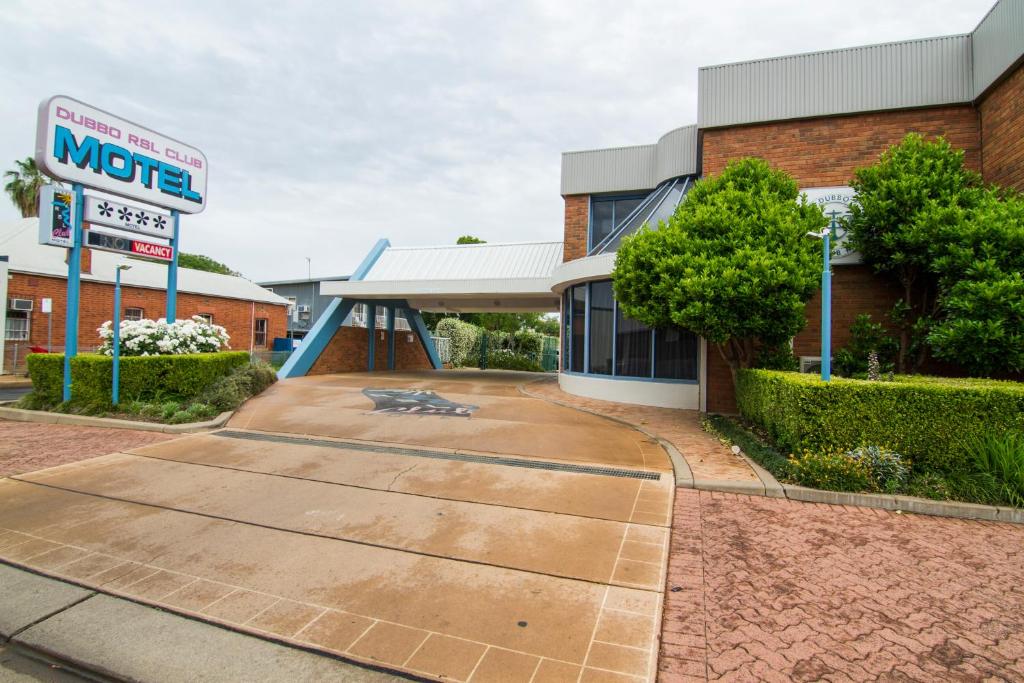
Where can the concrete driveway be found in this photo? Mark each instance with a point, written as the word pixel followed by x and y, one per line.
pixel 442 524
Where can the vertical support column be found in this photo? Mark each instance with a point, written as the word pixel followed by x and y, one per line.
pixel 74 286
pixel 115 392
pixel 391 337
pixel 371 335
pixel 172 273
pixel 826 309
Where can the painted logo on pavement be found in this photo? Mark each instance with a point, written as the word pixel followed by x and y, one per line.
pixel 415 402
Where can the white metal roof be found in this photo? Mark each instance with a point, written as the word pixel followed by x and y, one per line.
pixel 521 260
pixel 19 241
pixel 465 277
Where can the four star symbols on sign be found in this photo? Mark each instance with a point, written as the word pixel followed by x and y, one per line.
pixel 159 222
pixel 141 218
pixel 125 214
pixel 105 209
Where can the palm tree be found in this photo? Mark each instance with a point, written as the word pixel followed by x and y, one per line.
pixel 23 188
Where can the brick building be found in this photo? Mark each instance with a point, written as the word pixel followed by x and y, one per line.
pixel 818 116
pixel 252 315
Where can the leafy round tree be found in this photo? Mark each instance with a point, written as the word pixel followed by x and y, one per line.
pixel 733 264
pixel 889 226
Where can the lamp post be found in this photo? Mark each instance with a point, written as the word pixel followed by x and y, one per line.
pixel 117 333
pixel 826 299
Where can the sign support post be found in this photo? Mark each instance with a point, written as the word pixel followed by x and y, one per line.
pixel 826 304
pixel 74 287
pixel 172 274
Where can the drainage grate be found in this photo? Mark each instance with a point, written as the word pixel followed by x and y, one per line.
pixel 440 455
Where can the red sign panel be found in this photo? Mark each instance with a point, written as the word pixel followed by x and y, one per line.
pixel 160 251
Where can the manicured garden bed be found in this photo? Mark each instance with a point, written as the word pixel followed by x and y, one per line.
pixel 939 438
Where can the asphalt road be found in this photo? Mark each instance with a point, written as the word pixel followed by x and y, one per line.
pixel 13 394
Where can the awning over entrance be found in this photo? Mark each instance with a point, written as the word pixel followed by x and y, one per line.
pixel 460 278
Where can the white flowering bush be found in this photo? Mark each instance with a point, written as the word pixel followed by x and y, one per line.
pixel 160 338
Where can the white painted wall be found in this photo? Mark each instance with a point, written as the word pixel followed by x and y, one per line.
pixel 658 394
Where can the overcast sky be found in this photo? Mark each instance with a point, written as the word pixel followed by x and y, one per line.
pixel 330 124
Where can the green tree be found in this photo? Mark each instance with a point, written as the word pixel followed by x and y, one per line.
pixel 24 185
pixel 733 264
pixel 200 262
pixel 469 239
pixel 892 224
pixel 978 258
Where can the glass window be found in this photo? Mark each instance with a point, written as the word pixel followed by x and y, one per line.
pixel 579 322
pixel 206 317
pixel 566 319
pixel 602 313
pixel 632 347
pixel 260 332
pixel 133 314
pixel 608 212
pixel 17 326
pixel 675 354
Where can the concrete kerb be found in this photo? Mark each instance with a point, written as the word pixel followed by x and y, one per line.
pixel 680 469
pixel 44 417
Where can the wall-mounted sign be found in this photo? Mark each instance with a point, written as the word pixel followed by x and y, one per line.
pixel 127 245
pixel 835 204
pixel 81 144
pixel 57 216
pixel 100 211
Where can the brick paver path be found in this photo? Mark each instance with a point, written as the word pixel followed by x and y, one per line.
pixel 707 457
pixel 27 446
pixel 768 589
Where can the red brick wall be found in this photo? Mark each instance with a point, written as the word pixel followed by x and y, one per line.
pixel 577 223
pixel 820 153
pixel 826 151
pixel 97 305
pixel 348 352
pixel 1002 132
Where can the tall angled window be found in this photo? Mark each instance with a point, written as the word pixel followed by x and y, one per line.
pixel 632 347
pixel 579 326
pixel 675 354
pixel 602 317
pixel 607 212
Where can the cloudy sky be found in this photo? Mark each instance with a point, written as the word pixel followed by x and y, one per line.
pixel 330 124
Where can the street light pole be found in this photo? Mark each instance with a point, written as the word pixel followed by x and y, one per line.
pixel 115 389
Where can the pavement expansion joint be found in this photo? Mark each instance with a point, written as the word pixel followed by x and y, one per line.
pixel 440 455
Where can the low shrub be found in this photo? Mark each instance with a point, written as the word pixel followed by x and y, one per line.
pixel 464 339
pixel 831 471
pixel 158 337
pixel 888 470
pixel 1001 457
pixel 927 420
pixel 229 392
pixel 509 360
pixel 143 378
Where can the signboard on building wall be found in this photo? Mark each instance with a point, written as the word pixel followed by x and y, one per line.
pixel 835 204
pixel 57 207
pixel 81 144
pixel 127 245
pixel 100 211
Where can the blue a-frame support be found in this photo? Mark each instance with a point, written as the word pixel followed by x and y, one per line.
pixel 314 343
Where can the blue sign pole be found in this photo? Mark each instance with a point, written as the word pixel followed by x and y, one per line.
pixel 172 274
pixel 826 307
pixel 114 393
pixel 74 286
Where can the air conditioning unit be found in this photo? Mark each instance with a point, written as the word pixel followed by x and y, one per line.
pixel 303 309
pixel 20 305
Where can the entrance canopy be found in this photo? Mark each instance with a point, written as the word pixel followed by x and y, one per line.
pixel 465 278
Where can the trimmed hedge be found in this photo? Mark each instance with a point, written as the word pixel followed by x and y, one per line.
pixel 142 377
pixel 929 420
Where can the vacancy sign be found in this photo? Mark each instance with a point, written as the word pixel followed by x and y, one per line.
pixel 100 211
pixel 57 208
pixel 81 144
pixel 127 245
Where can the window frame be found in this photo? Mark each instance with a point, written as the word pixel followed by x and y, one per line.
pixel 256 331
pixel 142 313
pixel 18 315
pixel 207 317
pixel 613 198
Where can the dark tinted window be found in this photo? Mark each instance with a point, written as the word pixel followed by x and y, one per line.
pixel 632 348
pixel 675 352
pixel 579 322
pixel 602 314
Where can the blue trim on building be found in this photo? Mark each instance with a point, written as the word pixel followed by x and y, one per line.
pixel 314 343
pixel 417 324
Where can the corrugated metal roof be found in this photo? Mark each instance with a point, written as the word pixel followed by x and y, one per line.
pixel 19 240
pixel 525 260
pixel 998 43
pixel 622 169
pixel 912 73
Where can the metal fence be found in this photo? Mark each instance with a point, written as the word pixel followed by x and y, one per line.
pixel 15 353
pixel 444 348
